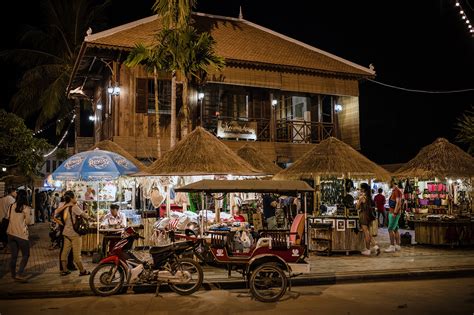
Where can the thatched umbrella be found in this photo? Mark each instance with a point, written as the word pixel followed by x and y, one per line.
pixel 201 153
pixel 111 146
pixel 257 160
pixel 440 159
pixel 333 158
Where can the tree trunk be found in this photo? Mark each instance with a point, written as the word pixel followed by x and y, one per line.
pixel 187 123
pixel 157 114
pixel 173 109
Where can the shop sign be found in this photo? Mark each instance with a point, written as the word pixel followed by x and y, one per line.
pixel 237 130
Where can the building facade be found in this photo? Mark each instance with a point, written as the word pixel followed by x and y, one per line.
pixel 281 93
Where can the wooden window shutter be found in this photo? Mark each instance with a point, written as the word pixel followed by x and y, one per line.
pixel 141 96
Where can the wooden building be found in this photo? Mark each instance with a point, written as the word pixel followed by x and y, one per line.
pixel 275 90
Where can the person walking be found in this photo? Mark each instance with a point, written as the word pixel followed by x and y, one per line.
pixel 18 236
pixel 379 201
pixel 72 240
pixel 395 204
pixel 5 204
pixel 364 205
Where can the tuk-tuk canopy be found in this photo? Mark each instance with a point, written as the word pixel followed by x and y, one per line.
pixel 258 186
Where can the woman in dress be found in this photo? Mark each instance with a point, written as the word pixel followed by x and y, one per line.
pixel 364 205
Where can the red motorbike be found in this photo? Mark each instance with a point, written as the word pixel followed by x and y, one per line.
pixel 123 268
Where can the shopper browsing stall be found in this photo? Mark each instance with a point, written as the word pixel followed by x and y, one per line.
pixel 364 204
pixel 395 203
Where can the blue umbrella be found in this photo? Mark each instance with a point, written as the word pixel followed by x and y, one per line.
pixel 94 165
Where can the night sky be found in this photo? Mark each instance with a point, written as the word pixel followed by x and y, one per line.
pixel 412 44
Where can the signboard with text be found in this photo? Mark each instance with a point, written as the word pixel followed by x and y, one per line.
pixel 237 130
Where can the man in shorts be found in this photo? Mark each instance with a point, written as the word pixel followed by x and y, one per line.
pixel 395 203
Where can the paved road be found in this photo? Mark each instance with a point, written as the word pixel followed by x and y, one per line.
pixel 446 296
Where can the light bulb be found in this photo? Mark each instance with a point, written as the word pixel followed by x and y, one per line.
pixel 200 95
pixel 99 106
pixel 467 21
pixel 461 12
pixel 457 4
pixel 116 90
pixel 110 90
pixel 463 17
pixel 274 102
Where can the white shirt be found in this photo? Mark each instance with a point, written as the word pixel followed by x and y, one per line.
pixel 17 225
pixel 110 220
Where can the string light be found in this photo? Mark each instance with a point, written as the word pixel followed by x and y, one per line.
pixel 420 91
pixel 53 123
pixel 464 17
pixel 62 138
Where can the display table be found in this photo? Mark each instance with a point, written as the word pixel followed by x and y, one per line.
pixel 443 232
pixel 335 234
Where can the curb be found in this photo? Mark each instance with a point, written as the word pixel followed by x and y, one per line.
pixel 308 280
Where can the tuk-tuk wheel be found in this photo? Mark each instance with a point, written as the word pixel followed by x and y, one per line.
pixel 268 282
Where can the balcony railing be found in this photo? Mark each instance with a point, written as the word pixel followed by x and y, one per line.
pixel 292 131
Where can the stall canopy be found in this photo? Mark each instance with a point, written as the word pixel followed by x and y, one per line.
pixel 201 153
pixel 254 158
pixel 260 186
pixel 94 165
pixel 440 159
pixel 111 146
pixel 333 158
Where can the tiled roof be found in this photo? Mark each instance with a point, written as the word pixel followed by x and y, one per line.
pixel 237 40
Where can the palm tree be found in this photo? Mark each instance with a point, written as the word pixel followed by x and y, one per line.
pixel 175 14
pixel 192 56
pixel 152 59
pixel 465 127
pixel 49 55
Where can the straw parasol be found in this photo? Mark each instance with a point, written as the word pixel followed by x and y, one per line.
pixel 201 153
pixel 440 159
pixel 251 155
pixel 333 158
pixel 111 146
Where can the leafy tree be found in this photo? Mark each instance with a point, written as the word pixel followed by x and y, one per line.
pixel 465 128
pixel 48 55
pixel 18 147
pixel 191 54
pixel 175 14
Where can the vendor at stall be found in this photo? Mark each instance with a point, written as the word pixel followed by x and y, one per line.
pixel 114 219
pixel 238 214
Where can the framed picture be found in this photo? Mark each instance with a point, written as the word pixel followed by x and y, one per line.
pixel 340 225
pixel 351 224
pixel 332 221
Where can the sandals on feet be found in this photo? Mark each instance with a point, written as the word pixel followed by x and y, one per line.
pixel 84 273
pixel 65 273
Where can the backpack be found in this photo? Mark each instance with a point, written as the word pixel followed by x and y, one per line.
pixel 80 225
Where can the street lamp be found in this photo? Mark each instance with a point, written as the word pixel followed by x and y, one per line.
pixel 338 108
pixel 200 98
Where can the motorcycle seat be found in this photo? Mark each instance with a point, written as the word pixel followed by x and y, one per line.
pixel 160 249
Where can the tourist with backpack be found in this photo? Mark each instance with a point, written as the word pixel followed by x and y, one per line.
pixel 72 240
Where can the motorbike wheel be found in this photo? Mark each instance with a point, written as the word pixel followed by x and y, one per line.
pixel 104 282
pixel 268 283
pixel 193 276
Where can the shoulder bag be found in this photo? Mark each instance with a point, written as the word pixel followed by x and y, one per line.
pixel 80 225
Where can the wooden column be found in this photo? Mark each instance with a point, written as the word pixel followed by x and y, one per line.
pixel 272 120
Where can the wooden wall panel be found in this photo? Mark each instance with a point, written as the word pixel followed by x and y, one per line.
pixel 348 120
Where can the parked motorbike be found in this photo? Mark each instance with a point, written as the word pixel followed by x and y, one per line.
pixel 122 268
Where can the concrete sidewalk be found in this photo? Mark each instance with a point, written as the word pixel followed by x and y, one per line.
pixel 412 262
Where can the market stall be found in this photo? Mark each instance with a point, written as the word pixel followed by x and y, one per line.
pixel 200 155
pixel 438 192
pixel 334 169
pixel 93 175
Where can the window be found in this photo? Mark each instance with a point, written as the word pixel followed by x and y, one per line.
pixel 145 96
